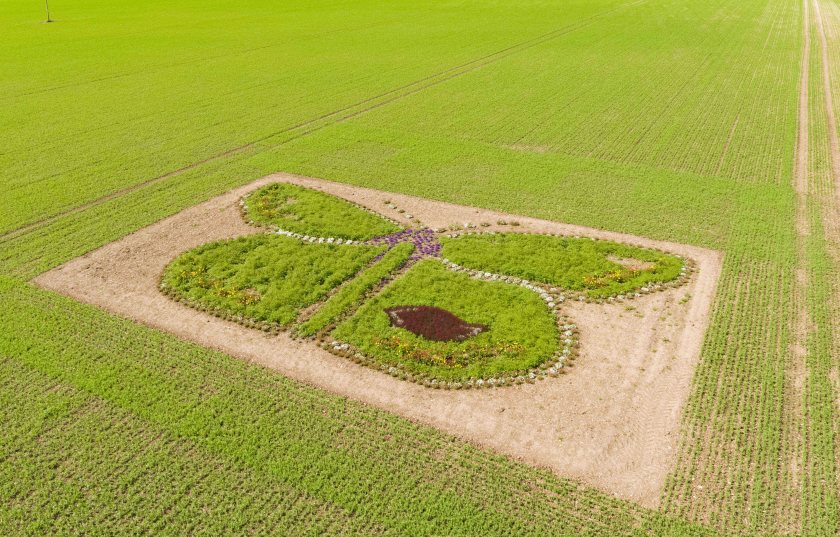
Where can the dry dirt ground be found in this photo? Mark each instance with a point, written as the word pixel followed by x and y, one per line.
pixel 612 421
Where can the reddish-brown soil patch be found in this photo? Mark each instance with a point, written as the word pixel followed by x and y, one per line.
pixel 435 324
pixel 612 421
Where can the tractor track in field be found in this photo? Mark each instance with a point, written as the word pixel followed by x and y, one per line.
pixel 796 369
pixel 799 374
pixel 318 123
pixel 831 211
pixel 829 101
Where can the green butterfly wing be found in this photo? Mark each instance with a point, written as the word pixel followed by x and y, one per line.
pixel 594 267
pixel 267 279
pixel 310 212
pixel 521 330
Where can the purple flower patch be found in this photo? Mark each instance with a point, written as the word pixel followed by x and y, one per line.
pixel 425 243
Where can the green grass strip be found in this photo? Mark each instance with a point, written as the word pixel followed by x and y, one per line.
pixel 355 290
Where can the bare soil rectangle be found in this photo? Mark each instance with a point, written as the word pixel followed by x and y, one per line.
pixel 612 421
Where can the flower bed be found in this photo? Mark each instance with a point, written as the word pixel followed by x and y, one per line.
pixel 309 212
pixel 487 314
pixel 432 323
pixel 521 334
pixel 576 264
pixel 262 279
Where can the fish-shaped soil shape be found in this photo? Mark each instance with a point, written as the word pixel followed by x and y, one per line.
pixel 433 323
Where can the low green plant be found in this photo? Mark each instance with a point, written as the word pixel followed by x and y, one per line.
pixel 522 332
pixel 355 290
pixel 576 264
pixel 264 278
pixel 310 212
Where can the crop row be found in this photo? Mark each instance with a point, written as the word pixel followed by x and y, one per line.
pixel 759 452
pixel 75 464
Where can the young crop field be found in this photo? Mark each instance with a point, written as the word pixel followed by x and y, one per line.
pixel 194 342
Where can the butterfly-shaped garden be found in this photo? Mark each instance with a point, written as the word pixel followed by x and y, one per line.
pixel 453 308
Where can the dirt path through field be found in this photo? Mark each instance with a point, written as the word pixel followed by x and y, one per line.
pixel 829 100
pixel 612 421
pixel 789 517
pixel 831 213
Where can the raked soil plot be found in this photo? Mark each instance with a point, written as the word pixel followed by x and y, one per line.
pixel 568 347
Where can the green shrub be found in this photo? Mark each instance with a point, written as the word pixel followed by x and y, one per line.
pixel 576 264
pixel 310 212
pixel 522 332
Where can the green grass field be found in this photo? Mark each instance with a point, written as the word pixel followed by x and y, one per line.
pixel 706 122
